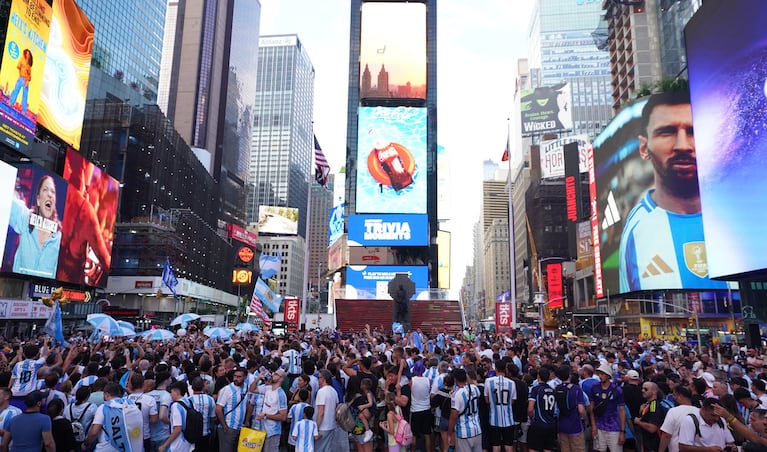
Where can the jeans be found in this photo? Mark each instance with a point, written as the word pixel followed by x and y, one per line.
pixel 227 440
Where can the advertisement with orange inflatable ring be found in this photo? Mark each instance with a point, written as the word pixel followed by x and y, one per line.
pixel 377 171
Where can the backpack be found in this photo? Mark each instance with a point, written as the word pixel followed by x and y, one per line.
pixel 193 427
pixel 561 396
pixel 601 407
pixel 77 425
pixel 344 417
pixel 403 434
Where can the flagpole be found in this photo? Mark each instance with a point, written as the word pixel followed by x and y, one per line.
pixel 512 241
pixel 306 237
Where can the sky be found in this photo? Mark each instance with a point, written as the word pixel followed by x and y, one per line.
pixel 478 44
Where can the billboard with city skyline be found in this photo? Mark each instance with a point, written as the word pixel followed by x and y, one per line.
pixel 393 50
pixel 648 229
pixel 391 160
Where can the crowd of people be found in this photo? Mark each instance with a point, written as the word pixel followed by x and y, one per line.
pixel 374 390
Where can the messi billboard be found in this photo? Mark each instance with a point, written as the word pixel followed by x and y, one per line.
pixel 373 280
pixel 389 230
pixel 648 213
pixel 727 63
pixel 21 70
pixel 546 109
pixel 67 67
pixel 393 50
pixel 391 160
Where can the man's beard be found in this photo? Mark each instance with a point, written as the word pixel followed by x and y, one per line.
pixel 680 184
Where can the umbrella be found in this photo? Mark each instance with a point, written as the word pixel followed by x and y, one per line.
pixel 218 333
pixel 126 332
pixel 246 327
pixel 106 324
pixel 407 287
pixel 158 335
pixel 126 325
pixel 184 318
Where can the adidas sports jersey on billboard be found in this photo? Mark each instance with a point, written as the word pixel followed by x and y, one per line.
pixel 648 201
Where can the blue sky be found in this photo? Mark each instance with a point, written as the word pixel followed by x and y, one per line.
pixel 479 43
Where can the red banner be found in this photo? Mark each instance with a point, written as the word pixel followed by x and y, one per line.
pixel 503 317
pixel 292 306
pixel 599 288
pixel 240 234
pixel 554 282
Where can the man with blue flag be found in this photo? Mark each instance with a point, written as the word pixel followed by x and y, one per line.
pixel 169 277
pixel 117 424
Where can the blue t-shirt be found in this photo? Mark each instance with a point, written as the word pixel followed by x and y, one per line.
pixel 26 431
pixel 571 423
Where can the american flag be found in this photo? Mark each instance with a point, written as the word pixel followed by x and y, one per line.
pixel 255 305
pixel 322 168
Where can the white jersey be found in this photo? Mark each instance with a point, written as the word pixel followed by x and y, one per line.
pixel 292 359
pixel 25 376
pixel 500 393
pixel 148 407
pixel 178 418
pixel 465 401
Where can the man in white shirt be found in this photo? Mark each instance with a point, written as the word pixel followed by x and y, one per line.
pixel 703 430
pixel 145 403
pixel 125 427
pixel 670 428
pixel 177 442
pixel 325 410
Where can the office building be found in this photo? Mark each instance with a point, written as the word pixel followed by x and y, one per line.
pixel 290 278
pixel 282 146
pixel 317 243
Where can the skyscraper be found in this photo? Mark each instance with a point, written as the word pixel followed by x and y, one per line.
pixel 317 242
pixel 208 89
pixel 281 156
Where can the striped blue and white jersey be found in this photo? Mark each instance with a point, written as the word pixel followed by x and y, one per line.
pixel 275 401
pixel 304 431
pixel 207 407
pixel 160 431
pixel 6 415
pixel 465 401
pixel 500 393
pixel 661 249
pixel 295 414
pixel 431 373
pixel 25 376
pixel 232 399
pixel 85 381
pixel 178 418
pixel 293 360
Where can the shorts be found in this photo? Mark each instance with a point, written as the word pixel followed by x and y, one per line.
pixel 541 438
pixel 607 440
pixel 420 422
pixel 501 436
pixel 572 442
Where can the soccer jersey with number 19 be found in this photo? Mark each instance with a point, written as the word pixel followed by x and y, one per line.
pixel 544 413
pixel 501 392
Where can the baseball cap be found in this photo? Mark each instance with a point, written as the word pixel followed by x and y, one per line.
pixel 633 375
pixel 709 378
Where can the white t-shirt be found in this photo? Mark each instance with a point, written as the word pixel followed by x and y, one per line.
pixel 671 424
pixel 148 407
pixel 710 435
pixel 419 394
pixel 327 397
pixel 133 424
pixel 178 418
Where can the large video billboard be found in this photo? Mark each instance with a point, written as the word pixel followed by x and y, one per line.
pixel 34 228
pixel 391 160
pixel 7 184
pixel 546 109
pixel 21 70
pixel 553 155
pixel 67 67
pixel 277 220
pixel 727 63
pixel 373 280
pixel 647 199
pixel 88 223
pixel 393 50
pixel 389 230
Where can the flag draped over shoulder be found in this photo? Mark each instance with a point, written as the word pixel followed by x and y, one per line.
pixel 269 265
pixel 54 327
pixel 321 166
pixel 269 299
pixel 169 278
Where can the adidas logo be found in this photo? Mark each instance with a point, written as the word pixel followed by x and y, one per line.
pixel 612 215
pixel 656 267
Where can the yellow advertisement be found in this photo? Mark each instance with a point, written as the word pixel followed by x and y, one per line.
pixel 65 80
pixel 21 70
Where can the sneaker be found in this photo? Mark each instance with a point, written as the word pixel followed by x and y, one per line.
pixel 367 436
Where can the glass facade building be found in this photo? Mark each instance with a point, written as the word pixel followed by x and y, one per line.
pixel 282 146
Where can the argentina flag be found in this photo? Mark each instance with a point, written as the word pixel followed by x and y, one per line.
pixel 270 265
pixel 268 298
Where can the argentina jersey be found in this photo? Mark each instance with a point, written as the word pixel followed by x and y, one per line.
pixel 25 376
pixel 206 406
pixel 293 359
pixel 304 431
pixel 295 414
pixel 500 393
pixel 233 401
pixel 6 415
pixel 661 250
pixel 465 401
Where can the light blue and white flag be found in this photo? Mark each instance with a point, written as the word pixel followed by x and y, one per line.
pixel 268 298
pixel 54 327
pixel 417 340
pixel 169 278
pixel 270 265
pixel 117 433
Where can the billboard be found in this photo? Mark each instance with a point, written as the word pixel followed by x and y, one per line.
pixel 373 280
pixel 650 228
pixel 21 70
pixel 7 184
pixel 393 50
pixel 391 160
pixel 729 96
pixel 336 223
pixel 292 312
pixel 389 230
pixel 371 255
pixel 277 220
pixel 553 155
pixel 37 213
pixel 504 317
pixel 88 223
pixel 546 109
pixel 65 78
pixel 554 285
pixel 241 234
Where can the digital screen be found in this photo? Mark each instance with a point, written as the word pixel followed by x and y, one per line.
pixel 7 184
pixel 336 224
pixel 647 199
pixel 37 214
pixel 546 109
pixel 393 50
pixel 391 160
pixel 67 67
pixel 372 281
pixel 277 220
pixel 21 70
pixel 727 63
pixel 553 155
pixel 389 230
pixel 89 221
